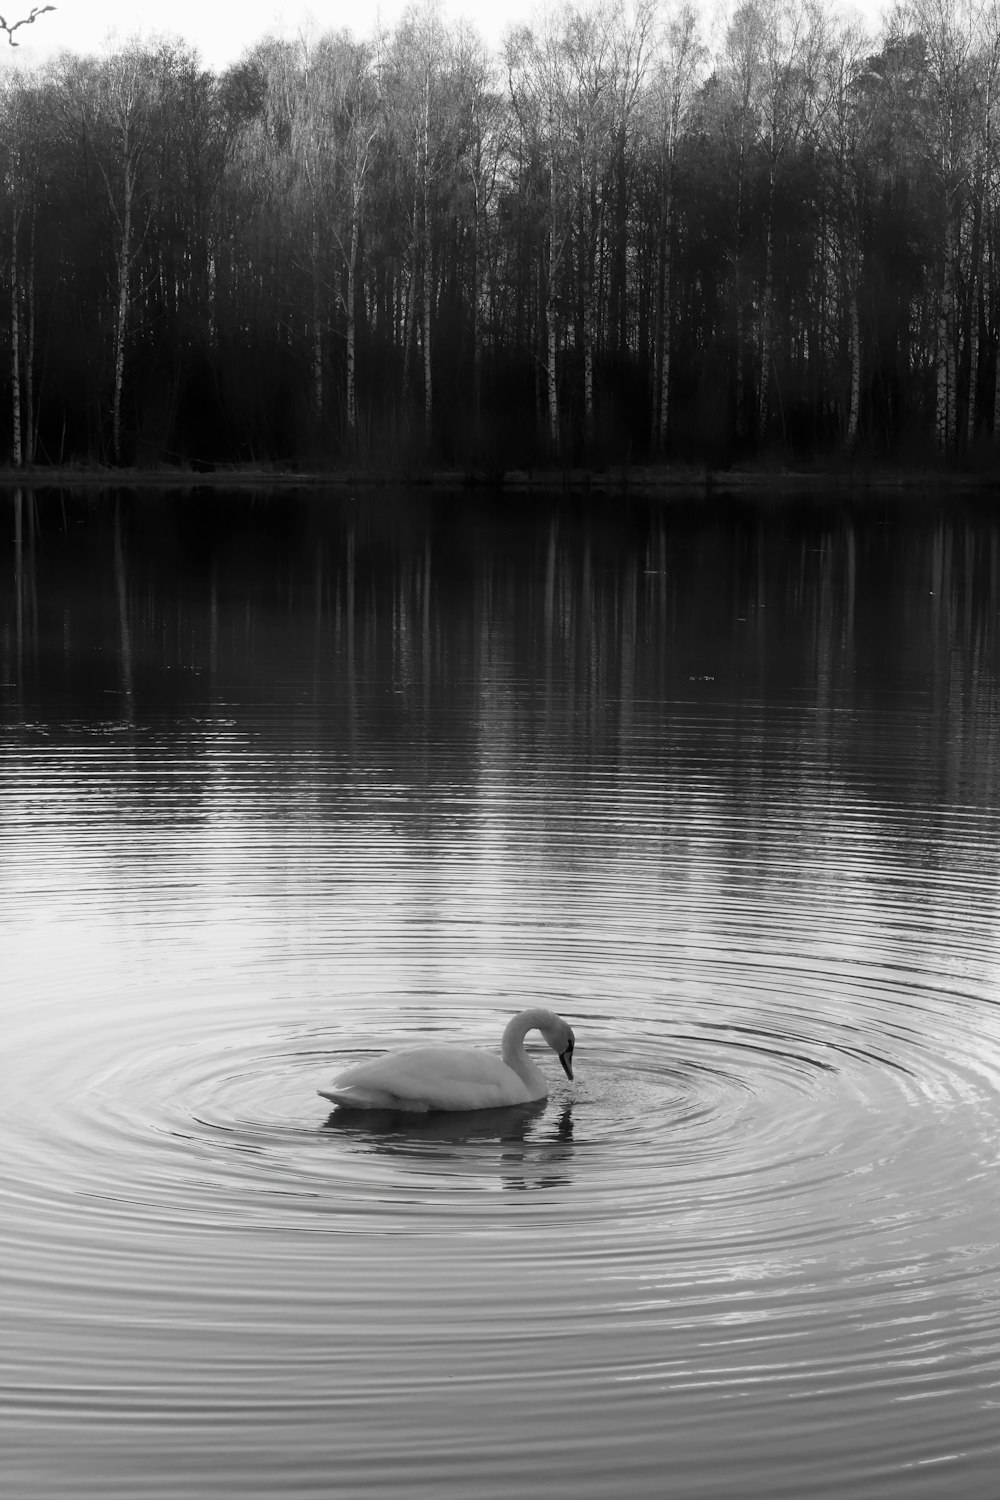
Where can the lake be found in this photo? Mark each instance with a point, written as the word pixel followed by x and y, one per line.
pixel 290 779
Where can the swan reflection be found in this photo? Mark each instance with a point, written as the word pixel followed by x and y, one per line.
pixel 535 1143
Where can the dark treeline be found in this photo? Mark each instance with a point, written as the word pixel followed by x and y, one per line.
pixel 605 243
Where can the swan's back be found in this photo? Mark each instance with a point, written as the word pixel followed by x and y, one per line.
pixel 430 1077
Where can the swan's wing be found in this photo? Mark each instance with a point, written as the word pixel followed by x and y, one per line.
pixel 430 1077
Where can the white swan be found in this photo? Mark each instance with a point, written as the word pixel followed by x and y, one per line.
pixel 446 1077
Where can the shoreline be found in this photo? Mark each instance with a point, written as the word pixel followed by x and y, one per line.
pixel 643 479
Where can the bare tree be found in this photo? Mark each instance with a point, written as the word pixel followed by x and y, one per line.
pixel 421 119
pixel 21 172
pixel 674 80
pixel 481 141
pixel 112 105
pixel 946 134
pixel 986 208
pixel 633 26
pixel 847 124
pixel 781 46
pixel 22 179
pixel 287 150
pixel 361 115
pixel 538 79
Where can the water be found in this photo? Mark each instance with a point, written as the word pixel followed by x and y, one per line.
pixel 288 780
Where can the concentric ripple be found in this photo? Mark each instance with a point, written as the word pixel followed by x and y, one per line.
pixel 753 1248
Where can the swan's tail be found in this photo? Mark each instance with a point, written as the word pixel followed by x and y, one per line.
pixel 350 1096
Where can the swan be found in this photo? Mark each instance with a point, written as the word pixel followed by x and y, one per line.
pixel 431 1077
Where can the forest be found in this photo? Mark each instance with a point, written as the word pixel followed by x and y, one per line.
pixel 608 241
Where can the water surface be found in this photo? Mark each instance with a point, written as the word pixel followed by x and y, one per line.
pixel 287 780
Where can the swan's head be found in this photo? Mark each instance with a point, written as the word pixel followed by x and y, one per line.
pixel 560 1038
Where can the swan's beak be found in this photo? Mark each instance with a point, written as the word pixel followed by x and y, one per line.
pixel 566 1058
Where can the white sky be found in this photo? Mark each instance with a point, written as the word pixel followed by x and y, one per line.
pixel 222 29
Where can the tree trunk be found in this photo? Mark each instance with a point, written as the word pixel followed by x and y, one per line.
pixel 618 310
pixel 121 317
pixel 767 312
pixel 666 323
pixel 15 344
pixel 317 331
pixel 538 334
pixel 29 353
pixel 587 299
pixel 428 387
pixel 551 338
pixel 352 272
pixel 975 274
pixel 995 282
pixel 850 262
pixel 941 377
pixel 944 413
pixel 952 369
pixel 550 307
pixel 427 269
pixel 970 416
pixel 477 357
pixel 408 292
pixel 739 320
pixel 656 298
pixel 855 357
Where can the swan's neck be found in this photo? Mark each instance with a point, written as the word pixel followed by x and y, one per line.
pixel 512 1047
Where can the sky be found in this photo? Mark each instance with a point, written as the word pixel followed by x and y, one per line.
pixel 223 29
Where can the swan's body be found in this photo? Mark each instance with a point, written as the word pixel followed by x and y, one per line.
pixel 457 1078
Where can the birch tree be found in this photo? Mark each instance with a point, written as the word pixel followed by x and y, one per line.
pixel 945 132
pixel 674 78
pixel 538 78
pixel 776 46
pixel 633 37
pixel 288 150
pixel 986 200
pixel 989 41
pixel 846 140
pixel 360 114
pixel 481 141
pixel 421 121
pixel 588 109
pixel 21 122
pixel 110 108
